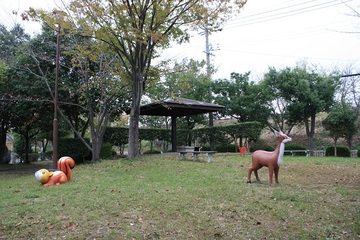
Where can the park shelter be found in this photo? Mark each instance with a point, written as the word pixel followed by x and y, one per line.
pixel 178 107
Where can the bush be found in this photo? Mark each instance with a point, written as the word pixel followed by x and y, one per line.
pixel 205 147
pixel 342 151
pixel 33 157
pixel 294 146
pixel 154 151
pixel 74 148
pixel 225 148
pixel 106 151
pixel 260 145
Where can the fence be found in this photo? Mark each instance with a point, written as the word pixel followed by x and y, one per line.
pixel 353 153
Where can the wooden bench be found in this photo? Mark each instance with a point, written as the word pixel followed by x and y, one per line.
pixel 293 152
pixel 195 155
pixel 315 153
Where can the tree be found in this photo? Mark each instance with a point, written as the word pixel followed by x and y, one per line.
pixel 32 111
pixel 244 101
pixel 103 91
pixel 185 79
pixel 279 115
pixel 41 54
pixel 349 94
pixel 90 91
pixel 136 30
pixel 306 93
pixel 341 122
pixel 10 43
pixel 5 111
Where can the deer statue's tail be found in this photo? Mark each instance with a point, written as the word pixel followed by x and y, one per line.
pixel 65 164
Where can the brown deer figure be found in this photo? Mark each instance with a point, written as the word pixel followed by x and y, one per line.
pixel 272 160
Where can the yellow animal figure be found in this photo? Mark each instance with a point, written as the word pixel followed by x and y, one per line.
pixel 48 178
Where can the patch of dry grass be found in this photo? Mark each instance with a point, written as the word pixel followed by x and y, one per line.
pixel 161 197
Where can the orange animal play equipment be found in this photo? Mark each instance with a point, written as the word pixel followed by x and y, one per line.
pixel 242 151
pixel 62 175
pixel 272 160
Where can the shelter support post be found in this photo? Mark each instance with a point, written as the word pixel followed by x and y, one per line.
pixel 173 133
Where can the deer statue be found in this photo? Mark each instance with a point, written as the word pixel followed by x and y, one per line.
pixel 272 160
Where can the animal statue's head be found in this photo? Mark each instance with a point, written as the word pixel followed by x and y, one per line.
pixel 276 133
pixel 43 175
pixel 279 134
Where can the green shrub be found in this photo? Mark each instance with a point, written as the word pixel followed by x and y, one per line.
pixel 74 148
pixel 153 151
pixel 48 155
pixel 342 151
pixel 294 146
pixel 261 145
pixel 106 151
pixel 33 157
pixel 206 147
pixel 225 148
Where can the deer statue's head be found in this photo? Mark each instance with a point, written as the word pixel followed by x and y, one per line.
pixel 278 133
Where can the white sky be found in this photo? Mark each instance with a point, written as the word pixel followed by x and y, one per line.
pixel 276 33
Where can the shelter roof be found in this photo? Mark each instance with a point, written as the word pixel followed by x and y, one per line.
pixel 178 107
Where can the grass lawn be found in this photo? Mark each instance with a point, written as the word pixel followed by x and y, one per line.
pixel 161 197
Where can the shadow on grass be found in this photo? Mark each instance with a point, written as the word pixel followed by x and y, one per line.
pixel 24 168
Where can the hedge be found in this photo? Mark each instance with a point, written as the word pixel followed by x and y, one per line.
pixel 342 151
pixel 74 148
pixel 223 134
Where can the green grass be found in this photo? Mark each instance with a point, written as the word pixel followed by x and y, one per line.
pixel 161 197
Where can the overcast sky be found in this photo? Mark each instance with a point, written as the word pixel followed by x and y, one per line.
pixel 276 33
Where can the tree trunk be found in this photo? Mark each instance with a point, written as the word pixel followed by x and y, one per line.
pixel 133 147
pixel 3 133
pixel 310 129
pixel 98 130
pixel 27 147
pixel 335 146
pixel 96 147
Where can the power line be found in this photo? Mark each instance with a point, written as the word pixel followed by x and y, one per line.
pixel 351 75
pixel 284 35
pixel 283 14
pixel 274 10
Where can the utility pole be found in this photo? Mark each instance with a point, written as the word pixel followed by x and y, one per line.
pixel 56 96
pixel 208 50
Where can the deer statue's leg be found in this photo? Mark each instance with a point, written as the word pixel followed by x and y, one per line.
pixel 257 175
pixel 271 173
pixel 253 169
pixel 249 175
pixel 277 174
